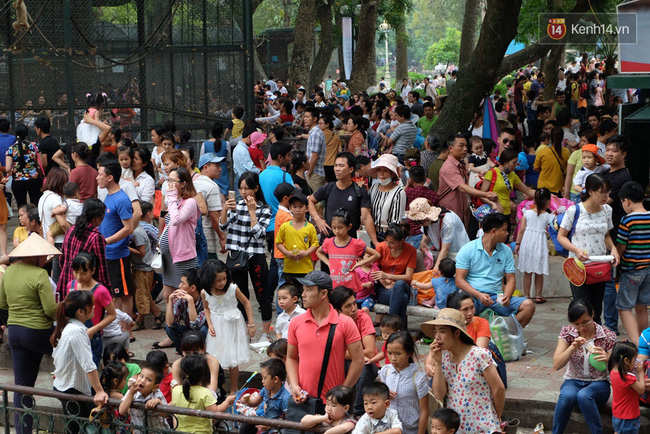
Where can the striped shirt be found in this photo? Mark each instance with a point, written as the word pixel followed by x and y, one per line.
pixel 316 143
pixel 634 233
pixel 73 359
pixel 404 137
pixel 411 385
pixel 241 236
pixel 387 206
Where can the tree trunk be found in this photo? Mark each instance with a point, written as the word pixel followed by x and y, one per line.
pixel 468 33
pixel 401 50
pixel 478 76
pixel 364 56
pixel 303 42
pixel 322 59
pixel 286 8
pixel 551 71
pixel 338 22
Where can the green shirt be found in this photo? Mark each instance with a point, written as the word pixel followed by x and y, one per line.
pixel 434 173
pixel 25 291
pixel 426 124
pixel 576 160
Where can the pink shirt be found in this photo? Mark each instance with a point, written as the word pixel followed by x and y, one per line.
pixel 452 175
pixel 102 299
pixel 365 278
pixel 342 259
pixel 310 338
pixel 183 216
pixel 364 324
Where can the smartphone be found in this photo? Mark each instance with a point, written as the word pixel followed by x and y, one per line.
pixel 231 195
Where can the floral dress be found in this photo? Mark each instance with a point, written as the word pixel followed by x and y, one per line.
pixel 468 392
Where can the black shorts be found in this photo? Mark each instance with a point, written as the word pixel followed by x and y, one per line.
pixel 119 271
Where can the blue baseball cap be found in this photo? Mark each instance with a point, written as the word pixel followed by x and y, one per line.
pixel 210 157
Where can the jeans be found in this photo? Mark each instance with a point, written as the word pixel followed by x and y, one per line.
pixel 574 110
pixel 56 269
pixel 593 293
pixel 396 298
pixel 176 332
pixel 274 273
pixel 415 240
pixel 574 197
pixel 588 395
pixel 27 349
pixel 201 243
pixel 610 313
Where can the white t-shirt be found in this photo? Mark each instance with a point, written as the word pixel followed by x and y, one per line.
pixel 581 176
pixel 114 328
pixel 453 232
pixel 146 187
pixel 126 186
pixel 74 210
pixel 591 229
pixel 46 204
pixel 212 195
pixel 283 320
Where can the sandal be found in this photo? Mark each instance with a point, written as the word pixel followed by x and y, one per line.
pixel 539 300
pixel 156 346
pixel 130 353
pixel 138 326
pixel 158 322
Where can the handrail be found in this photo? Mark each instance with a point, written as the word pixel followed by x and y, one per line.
pixel 253 420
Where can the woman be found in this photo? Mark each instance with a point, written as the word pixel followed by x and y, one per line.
pixel 157 153
pixel 442 227
pixel 387 197
pixel 506 180
pixel 53 197
pixel 298 169
pixel 584 385
pixel 84 236
pixel 591 236
pixel 82 174
pixel 220 147
pixel 464 374
pixel 26 225
pixel 344 300
pixel 357 140
pixel 143 174
pixel 21 162
pixel 246 222
pixel 332 146
pixel 25 291
pixel 397 263
pixel 551 163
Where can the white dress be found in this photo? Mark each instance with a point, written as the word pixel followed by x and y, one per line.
pixel 533 252
pixel 230 345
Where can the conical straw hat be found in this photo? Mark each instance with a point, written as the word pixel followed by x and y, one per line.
pixel 34 245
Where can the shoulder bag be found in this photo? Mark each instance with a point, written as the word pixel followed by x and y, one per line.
pixel 312 405
pixel 157 259
pixel 238 260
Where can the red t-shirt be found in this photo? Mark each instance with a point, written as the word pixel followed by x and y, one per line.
pixel 86 178
pixel 479 328
pixel 388 264
pixel 166 386
pixel 102 299
pixel 310 340
pixel 383 350
pixel 364 324
pixel 257 155
pixel 342 259
pixel 625 400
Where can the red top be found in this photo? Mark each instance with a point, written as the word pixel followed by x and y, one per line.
pixel 625 400
pixel 479 328
pixel 166 386
pixel 86 178
pixel 383 350
pixel 257 155
pixel 310 338
pixel 364 324
pixel 388 264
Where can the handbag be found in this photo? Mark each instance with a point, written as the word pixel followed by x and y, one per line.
pixel 157 259
pixel 598 272
pixel 238 260
pixel 312 405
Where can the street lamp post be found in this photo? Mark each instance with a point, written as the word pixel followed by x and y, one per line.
pixel 385 28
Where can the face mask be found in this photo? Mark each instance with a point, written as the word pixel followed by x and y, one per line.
pixel 385 181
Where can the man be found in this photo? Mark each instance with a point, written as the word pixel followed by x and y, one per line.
pixel 316 149
pixel 593 119
pixel 537 84
pixel 242 161
pixel 117 228
pixel 308 335
pixel 607 129
pixel 205 183
pixel 536 126
pixel 453 188
pixel 429 88
pixel 47 146
pixel 560 102
pixel 616 151
pixel 507 139
pixel 415 103
pixel 564 119
pixel 427 119
pixel 272 84
pixel 126 186
pixel 283 90
pixel 6 139
pixel 451 81
pixel 185 309
pixel 434 169
pixel 481 266
pixel 404 134
pixel 343 194
pixel 561 82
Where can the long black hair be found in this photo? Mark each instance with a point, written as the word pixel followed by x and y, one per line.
pixel 252 180
pixel 194 372
pixel 145 156
pixel 92 209
pixel 67 309
pixel 21 134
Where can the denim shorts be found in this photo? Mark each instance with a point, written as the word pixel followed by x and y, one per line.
pixel 634 288
pixel 368 302
pixel 499 309
pixel 626 426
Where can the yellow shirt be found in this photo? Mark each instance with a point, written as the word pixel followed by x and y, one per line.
pixel 300 239
pixel 500 187
pixel 576 160
pixel 237 128
pixel 551 172
pixel 200 398
pixel 21 233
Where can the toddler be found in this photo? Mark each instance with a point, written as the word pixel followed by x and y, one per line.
pixel 117 353
pixel 376 402
pixel 288 295
pixel 339 401
pixel 592 162
pixel 388 325
pixel 297 239
pixel 445 421
pixel 113 379
pixel 70 210
pixel 478 161
pixel 443 285
pixel 145 388
pixel 118 331
pixel 366 297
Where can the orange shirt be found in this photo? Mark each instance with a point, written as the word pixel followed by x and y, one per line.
pixel 479 328
pixel 389 264
pixel 282 216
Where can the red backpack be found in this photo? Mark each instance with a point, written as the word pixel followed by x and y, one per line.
pixel 476 201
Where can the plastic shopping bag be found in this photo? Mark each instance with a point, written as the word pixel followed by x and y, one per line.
pixel 507 334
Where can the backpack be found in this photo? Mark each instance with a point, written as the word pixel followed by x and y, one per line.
pixel 584 91
pixel 476 201
pixel 554 228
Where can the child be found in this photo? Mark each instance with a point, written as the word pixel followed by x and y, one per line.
pixel 237 126
pixel 532 245
pixel 633 243
pixel 193 393
pixel 479 163
pixel 282 193
pixel 257 155
pixel 145 388
pixel 377 405
pixel 118 331
pixel 445 421
pixel 193 342
pixel 626 387
pixel 278 350
pixel 366 298
pixel 117 353
pixel 444 284
pixel 342 252
pixel 532 176
pixel 388 325
pixel 288 295
pixel 143 274
pixel 338 403
pixel 22 232
pixel 86 132
pixel 114 378
pixel 125 157
pixel 157 359
pixel 273 400
pixel 401 352
pixel 592 162
pixel 297 239
pixel 220 297
pixel 70 210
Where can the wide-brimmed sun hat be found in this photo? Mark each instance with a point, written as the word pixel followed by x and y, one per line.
pixel 388 161
pixel 421 210
pixel 446 317
pixel 34 245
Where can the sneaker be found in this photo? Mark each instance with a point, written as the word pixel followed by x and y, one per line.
pixel 264 338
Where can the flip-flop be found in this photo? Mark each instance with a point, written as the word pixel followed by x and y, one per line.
pixel 156 346
pixel 539 300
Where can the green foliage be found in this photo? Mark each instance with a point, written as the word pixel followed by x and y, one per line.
pixel 446 50
pixel 416 76
pixel 270 15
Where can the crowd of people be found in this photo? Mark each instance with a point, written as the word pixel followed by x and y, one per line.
pixel 123 225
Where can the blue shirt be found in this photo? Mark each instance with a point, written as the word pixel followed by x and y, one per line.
pixel 270 178
pixel 443 286
pixel 223 181
pixel 118 208
pixel 531 174
pixel 274 407
pixel 644 343
pixel 6 140
pixel 242 161
pixel 485 272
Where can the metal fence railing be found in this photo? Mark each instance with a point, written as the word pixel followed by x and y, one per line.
pixel 51 419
